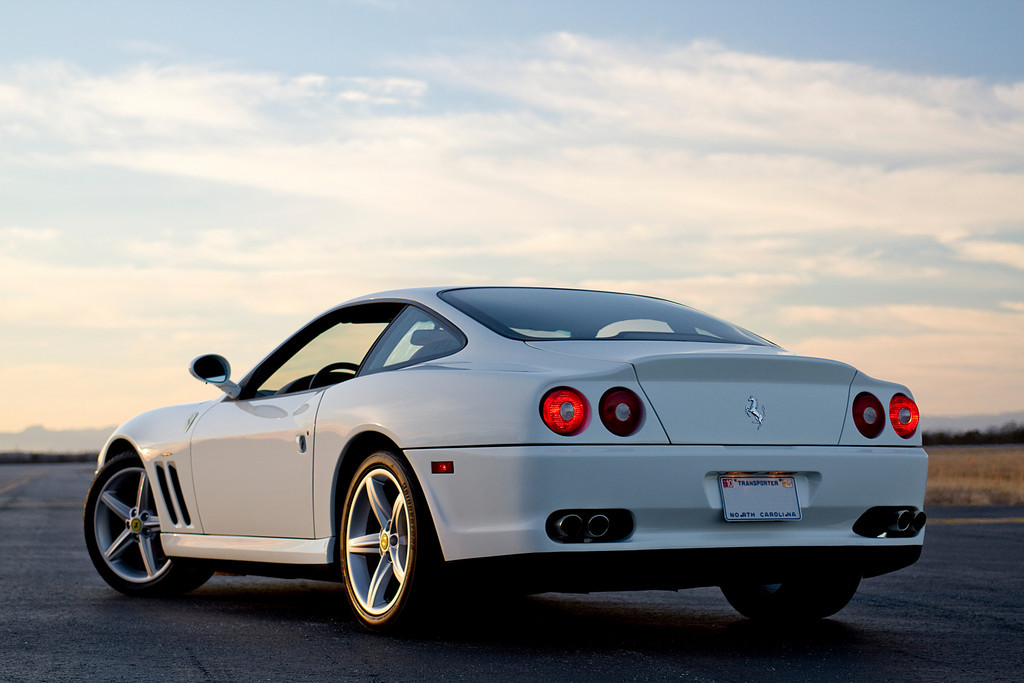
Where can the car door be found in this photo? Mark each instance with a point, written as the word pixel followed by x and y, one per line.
pixel 252 457
pixel 253 465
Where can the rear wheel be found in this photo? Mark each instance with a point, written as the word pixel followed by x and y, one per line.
pixel 122 534
pixel 389 550
pixel 794 600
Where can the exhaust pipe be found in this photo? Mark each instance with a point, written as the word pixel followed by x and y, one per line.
pixel 569 526
pixel 919 521
pixel 597 526
pixel 592 526
pixel 890 521
pixel 904 518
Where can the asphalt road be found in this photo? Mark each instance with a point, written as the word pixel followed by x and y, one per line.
pixel 958 614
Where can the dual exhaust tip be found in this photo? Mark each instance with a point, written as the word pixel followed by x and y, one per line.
pixel 908 520
pixel 589 526
pixel 572 525
pixel 891 521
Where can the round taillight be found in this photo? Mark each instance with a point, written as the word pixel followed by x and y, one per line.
pixel 564 411
pixel 904 415
pixel 621 411
pixel 868 415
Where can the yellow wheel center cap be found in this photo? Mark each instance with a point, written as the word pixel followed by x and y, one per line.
pixel 384 543
pixel 136 525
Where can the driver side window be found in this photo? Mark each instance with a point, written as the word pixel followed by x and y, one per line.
pixel 345 343
pixel 329 349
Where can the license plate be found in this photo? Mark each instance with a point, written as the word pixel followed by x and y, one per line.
pixel 759 498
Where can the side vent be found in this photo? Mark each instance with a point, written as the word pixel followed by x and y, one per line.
pixel 170 489
pixel 179 500
pixel 162 480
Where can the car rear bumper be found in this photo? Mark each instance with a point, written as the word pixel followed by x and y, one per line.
pixel 497 501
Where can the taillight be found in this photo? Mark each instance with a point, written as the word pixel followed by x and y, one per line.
pixel 564 411
pixel 868 415
pixel 904 415
pixel 621 411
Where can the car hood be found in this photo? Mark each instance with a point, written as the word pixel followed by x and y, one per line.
pixel 729 394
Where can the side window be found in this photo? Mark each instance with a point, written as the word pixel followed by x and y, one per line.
pixel 345 343
pixel 328 351
pixel 415 336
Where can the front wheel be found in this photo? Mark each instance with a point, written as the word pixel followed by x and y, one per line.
pixel 388 552
pixel 794 600
pixel 122 534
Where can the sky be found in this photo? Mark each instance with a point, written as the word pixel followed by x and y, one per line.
pixel 845 179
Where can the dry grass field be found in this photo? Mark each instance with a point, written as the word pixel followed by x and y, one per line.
pixel 975 475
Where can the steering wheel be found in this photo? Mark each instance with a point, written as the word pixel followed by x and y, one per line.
pixel 323 375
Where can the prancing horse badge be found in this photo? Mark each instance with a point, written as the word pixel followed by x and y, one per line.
pixel 756 411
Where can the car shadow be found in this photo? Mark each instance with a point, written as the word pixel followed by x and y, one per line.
pixel 699 620
pixel 649 622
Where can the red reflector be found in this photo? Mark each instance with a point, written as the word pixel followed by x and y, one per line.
pixel 621 411
pixel 442 467
pixel 868 415
pixel 904 415
pixel 564 411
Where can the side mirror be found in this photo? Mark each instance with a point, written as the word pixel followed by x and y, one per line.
pixel 215 370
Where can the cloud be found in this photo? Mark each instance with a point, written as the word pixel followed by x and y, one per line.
pixel 695 137
pixel 158 210
pixel 180 103
pixel 707 94
pixel 381 91
pixel 1002 253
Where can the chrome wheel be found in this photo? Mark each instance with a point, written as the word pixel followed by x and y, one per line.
pixel 378 551
pixel 127 528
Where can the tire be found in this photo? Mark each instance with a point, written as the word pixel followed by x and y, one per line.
pixel 122 534
pixel 388 550
pixel 795 600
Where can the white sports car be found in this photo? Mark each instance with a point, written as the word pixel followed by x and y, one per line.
pixel 520 438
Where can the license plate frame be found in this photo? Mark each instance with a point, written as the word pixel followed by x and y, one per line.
pixel 759 498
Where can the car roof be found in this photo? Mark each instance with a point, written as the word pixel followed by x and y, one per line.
pixel 420 294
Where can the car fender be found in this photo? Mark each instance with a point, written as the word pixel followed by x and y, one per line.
pixel 155 431
pixel 436 405
pixel 161 438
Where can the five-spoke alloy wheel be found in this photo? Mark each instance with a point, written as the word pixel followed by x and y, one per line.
pixel 122 533
pixel 384 528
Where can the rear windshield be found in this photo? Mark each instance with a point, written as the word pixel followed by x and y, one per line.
pixel 550 314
